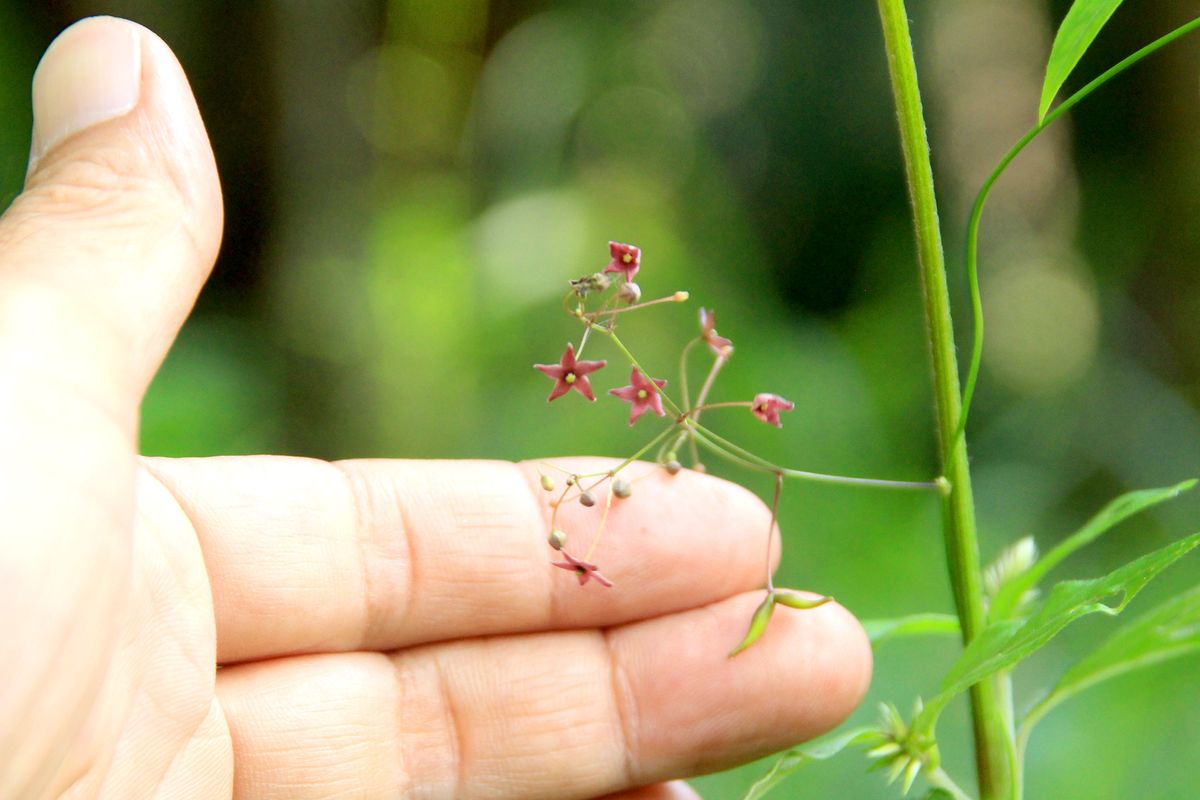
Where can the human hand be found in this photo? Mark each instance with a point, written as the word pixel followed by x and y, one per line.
pixel 383 628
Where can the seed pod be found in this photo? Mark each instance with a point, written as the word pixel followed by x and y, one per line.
pixel 570 480
pixel 587 499
pixel 547 483
pixel 622 488
pixel 557 539
pixel 673 467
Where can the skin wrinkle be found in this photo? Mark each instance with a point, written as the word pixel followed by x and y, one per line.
pixel 542 512
pixel 454 725
pixel 625 708
pixel 360 525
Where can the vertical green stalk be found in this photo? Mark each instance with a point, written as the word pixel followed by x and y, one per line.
pixel 962 550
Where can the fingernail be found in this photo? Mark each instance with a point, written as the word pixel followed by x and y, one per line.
pixel 90 74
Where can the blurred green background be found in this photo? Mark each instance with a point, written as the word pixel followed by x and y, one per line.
pixel 409 184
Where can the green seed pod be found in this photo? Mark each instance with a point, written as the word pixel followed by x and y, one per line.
pixel 547 483
pixel 673 466
pixel 622 487
pixel 557 539
pixel 758 624
pixel 587 499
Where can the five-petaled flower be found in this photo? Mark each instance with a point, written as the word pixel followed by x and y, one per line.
pixel 582 569
pixel 626 259
pixel 570 374
pixel 767 407
pixel 718 344
pixel 642 393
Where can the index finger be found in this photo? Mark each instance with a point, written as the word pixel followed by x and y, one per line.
pixel 308 556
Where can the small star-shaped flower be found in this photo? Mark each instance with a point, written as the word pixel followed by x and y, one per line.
pixel 626 259
pixel 718 344
pixel 583 570
pixel 642 394
pixel 570 374
pixel 767 407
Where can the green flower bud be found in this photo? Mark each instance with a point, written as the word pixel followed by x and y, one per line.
pixel 547 483
pixel 557 539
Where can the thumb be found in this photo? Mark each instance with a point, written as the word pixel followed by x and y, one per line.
pixel 102 255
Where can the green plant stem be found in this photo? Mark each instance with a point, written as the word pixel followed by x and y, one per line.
pixel 972 258
pixel 740 455
pixel 962 550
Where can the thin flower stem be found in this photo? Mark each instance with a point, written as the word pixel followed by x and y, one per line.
pixel 645 449
pixel 694 412
pixel 972 259
pixel 555 506
pixel 678 297
pixel 708 383
pixel 817 477
pixel 600 529
pixel 587 329
pixel 695 453
pixel 683 372
pixel 771 528
pixel 992 749
pixel 625 351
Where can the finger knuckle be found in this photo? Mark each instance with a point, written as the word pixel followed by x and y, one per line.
pixel 103 181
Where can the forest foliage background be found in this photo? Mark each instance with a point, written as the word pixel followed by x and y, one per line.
pixel 410 183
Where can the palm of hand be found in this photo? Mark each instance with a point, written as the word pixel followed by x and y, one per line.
pixel 384 628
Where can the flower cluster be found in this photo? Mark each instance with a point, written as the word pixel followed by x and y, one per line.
pixel 597 301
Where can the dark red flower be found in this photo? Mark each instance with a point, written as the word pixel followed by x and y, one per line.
pixel 570 374
pixel 718 344
pixel 583 570
pixel 642 394
pixel 626 259
pixel 767 407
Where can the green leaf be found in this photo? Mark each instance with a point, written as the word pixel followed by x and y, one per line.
pixel 1004 643
pixel 1171 629
pixel 793 600
pixel 1076 34
pixel 758 624
pixel 881 630
pixel 1108 517
pixel 797 757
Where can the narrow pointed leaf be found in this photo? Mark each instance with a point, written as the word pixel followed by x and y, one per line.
pixel 817 750
pixel 758 624
pixel 1115 512
pixel 1003 644
pixel 881 630
pixel 1076 34
pixel 1171 629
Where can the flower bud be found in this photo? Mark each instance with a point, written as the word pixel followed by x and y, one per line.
pixel 587 499
pixel 558 539
pixel 622 488
pixel 629 293
pixel 680 297
pixel 673 467
pixel 547 483
pixel 570 480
